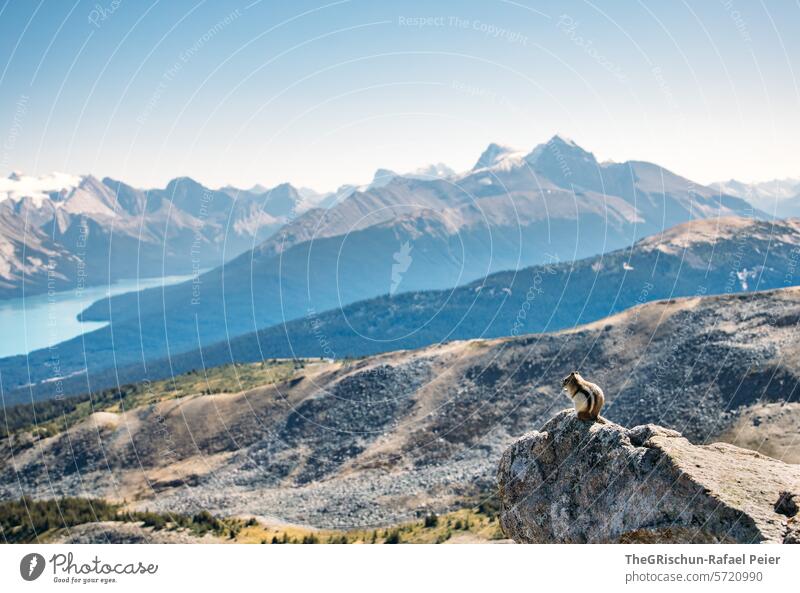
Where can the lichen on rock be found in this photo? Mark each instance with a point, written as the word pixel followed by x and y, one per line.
pixel 584 482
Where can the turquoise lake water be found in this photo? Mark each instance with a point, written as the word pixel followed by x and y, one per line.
pixel 31 323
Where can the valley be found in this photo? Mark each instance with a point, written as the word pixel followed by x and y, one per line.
pixel 513 209
pixel 40 321
pixel 398 273
pixel 353 364
pixel 378 441
pixel 703 257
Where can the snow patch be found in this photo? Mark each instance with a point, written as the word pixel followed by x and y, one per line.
pixel 18 186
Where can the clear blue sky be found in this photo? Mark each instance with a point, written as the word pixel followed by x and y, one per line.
pixel 321 94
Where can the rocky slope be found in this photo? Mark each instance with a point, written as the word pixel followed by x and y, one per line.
pixel 378 440
pixel 770 428
pixel 117 532
pixel 585 482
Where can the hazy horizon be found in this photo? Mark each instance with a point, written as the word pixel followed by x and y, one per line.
pixel 323 94
pixel 366 180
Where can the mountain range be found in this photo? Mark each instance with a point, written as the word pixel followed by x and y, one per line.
pixel 778 197
pixel 63 232
pixel 404 233
pixel 702 257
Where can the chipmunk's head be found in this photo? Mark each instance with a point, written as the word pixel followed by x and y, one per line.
pixel 571 381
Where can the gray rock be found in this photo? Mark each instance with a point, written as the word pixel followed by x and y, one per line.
pixel 576 482
pixel 118 532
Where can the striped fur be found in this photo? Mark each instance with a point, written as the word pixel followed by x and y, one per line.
pixel 587 397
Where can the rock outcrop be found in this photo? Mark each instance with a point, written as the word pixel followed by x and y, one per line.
pixel 576 482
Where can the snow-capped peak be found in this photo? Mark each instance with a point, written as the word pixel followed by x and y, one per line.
pixel 381 178
pixel 561 149
pixel 558 138
pixel 18 186
pixel 498 157
pixel 493 154
pixel 434 171
pixel 775 189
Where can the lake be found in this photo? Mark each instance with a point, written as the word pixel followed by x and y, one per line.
pixel 31 323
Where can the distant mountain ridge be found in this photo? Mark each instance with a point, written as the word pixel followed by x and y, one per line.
pixel 779 197
pixel 554 202
pixel 62 229
pixel 704 257
pixel 42 216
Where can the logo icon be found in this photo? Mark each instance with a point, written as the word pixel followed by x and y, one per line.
pixel 402 261
pixel 31 566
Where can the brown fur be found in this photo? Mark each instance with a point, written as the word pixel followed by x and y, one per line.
pixel 587 397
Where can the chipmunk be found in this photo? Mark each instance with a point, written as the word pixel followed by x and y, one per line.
pixel 587 397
